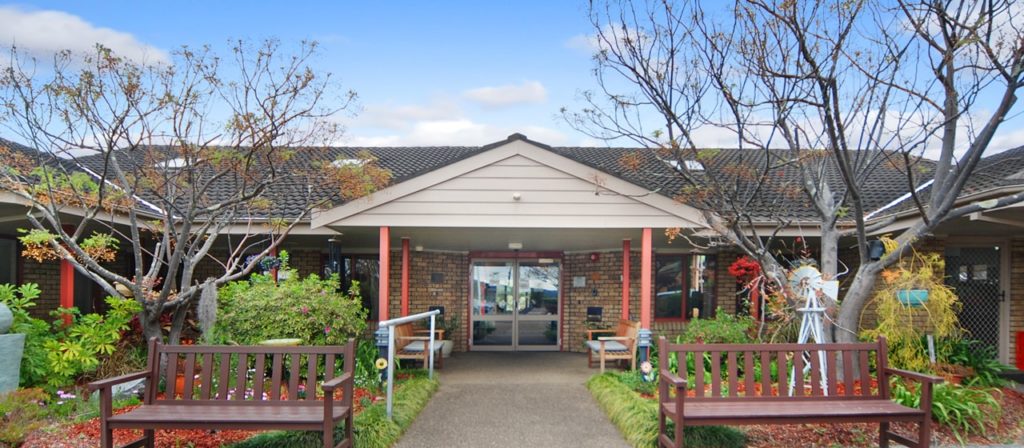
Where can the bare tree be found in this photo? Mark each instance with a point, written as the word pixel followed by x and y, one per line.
pixel 168 161
pixel 812 89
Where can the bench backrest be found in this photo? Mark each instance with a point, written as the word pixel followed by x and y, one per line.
pixel 402 333
pixel 245 373
pixel 738 372
pixel 628 329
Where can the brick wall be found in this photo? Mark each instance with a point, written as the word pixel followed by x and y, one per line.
pixel 450 290
pixel 47 276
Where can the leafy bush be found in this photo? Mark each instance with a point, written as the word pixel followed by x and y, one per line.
pixel 963 409
pixel 372 427
pixel 725 328
pixel 634 380
pixel 57 354
pixel 366 373
pixel 21 412
pixel 637 417
pixel 308 308
pixel 981 358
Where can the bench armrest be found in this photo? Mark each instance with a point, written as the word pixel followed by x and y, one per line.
pixel 415 338
pixel 333 383
pixel 673 379
pixel 613 338
pixel 915 376
pixel 108 382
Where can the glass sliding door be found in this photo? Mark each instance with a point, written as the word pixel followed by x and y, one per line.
pixel 515 305
pixel 492 304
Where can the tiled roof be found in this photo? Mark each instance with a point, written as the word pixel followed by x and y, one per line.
pixel 884 183
pixel 1004 170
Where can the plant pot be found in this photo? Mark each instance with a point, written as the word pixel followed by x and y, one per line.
pixel 179 384
pixel 912 297
pixel 12 346
pixel 446 348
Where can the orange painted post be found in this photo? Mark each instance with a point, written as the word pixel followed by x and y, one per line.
pixel 625 279
pixel 67 287
pixel 385 272
pixel 645 279
pixel 405 277
pixel 273 271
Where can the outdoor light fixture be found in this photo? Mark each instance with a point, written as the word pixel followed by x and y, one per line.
pixel 875 250
pixel 515 245
pixel 516 196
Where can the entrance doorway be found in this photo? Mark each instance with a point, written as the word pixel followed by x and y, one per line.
pixel 516 304
pixel 976 274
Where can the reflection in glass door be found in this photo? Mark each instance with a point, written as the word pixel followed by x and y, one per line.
pixel 515 304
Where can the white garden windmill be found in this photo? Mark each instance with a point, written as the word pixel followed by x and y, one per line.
pixel 806 282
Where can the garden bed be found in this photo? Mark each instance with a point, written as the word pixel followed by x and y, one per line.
pixel 86 434
pixel 633 409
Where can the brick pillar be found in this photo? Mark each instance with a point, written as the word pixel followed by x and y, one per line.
pixel 625 279
pixel 405 276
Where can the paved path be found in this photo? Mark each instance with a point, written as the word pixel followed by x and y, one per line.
pixel 511 400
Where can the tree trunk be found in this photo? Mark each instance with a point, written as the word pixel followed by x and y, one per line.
pixel 852 306
pixel 177 324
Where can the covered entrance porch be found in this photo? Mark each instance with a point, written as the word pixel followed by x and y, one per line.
pixel 519 241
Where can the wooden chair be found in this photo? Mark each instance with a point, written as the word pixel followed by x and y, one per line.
pixel 621 346
pixel 410 346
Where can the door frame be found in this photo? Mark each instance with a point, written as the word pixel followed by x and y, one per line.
pixel 515 258
pixel 1004 284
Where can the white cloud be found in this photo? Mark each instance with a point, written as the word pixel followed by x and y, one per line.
pixel 46 32
pixel 586 43
pixel 1005 140
pixel 401 117
pixel 529 92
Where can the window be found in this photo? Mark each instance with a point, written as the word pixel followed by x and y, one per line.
pixel 366 270
pixel 684 284
pixel 8 261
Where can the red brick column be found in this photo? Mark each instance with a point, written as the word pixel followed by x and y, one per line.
pixel 625 279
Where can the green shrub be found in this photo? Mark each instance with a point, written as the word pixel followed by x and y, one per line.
pixel 725 328
pixel 366 373
pixel 633 379
pixel 637 417
pixel 307 308
pixel 57 354
pixel 21 412
pixel 981 358
pixel 963 409
pixel 372 427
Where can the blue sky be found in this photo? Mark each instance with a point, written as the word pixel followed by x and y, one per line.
pixel 427 72
pixel 445 73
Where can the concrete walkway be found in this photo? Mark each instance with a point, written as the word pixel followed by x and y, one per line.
pixel 513 399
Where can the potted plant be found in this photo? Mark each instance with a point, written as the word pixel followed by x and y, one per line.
pixel 450 324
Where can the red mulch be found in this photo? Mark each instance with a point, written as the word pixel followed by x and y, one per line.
pixel 87 434
pixel 1007 430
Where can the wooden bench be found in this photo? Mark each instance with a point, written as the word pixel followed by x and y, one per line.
pixel 226 387
pixel 408 345
pixel 733 394
pixel 621 346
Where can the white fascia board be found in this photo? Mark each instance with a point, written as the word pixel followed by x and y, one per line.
pixel 608 182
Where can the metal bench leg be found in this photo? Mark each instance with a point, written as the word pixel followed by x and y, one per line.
pixel 883 435
pixel 150 436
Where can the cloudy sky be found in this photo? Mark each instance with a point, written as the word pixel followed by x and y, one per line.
pixel 427 72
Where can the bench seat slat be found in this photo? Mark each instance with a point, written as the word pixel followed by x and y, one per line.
pixel 222 416
pixel 716 412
